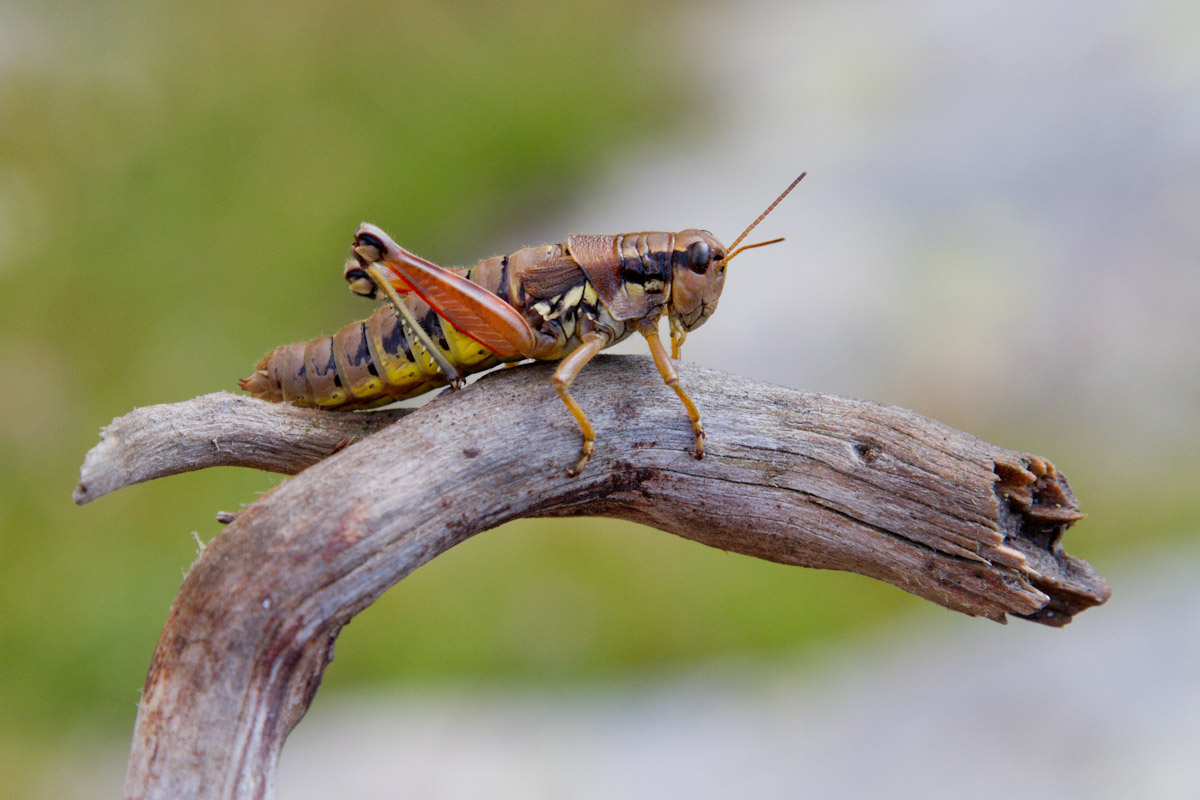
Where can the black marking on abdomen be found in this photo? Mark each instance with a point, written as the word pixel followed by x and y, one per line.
pixel 433 326
pixel 502 289
pixel 395 341
pixel 362 354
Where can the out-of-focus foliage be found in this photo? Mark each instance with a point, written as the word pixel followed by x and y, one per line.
pixel 178 186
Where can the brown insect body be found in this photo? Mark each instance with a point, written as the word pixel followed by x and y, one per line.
pixel 374 361
pixel 564 301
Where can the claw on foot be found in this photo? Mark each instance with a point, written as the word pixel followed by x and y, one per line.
pixel 588 448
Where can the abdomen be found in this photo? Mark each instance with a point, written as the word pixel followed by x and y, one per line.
pixel 368 363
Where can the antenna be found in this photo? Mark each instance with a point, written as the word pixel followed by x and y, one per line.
pixel 734 249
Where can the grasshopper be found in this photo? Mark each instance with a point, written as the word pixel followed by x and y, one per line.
pixel 559 302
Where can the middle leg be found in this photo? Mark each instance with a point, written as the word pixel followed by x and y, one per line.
pixel 564 376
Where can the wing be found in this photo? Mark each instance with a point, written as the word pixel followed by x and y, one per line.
pixel 469 307
pixel 551 277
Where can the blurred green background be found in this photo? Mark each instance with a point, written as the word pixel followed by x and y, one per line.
pixel 178 187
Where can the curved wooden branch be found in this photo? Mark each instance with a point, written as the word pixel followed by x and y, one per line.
pixel 217 430
pixel 797 478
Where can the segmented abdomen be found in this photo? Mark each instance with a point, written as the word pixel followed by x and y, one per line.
pixel 368 363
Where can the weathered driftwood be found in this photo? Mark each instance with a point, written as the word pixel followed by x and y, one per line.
pixel 797 478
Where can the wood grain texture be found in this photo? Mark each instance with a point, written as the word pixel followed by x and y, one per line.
pixel 217 430
pixel 792 477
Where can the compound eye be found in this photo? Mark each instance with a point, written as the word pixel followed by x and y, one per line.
pixel 698 257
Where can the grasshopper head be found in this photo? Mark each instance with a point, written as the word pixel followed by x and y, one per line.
pixel 698 277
